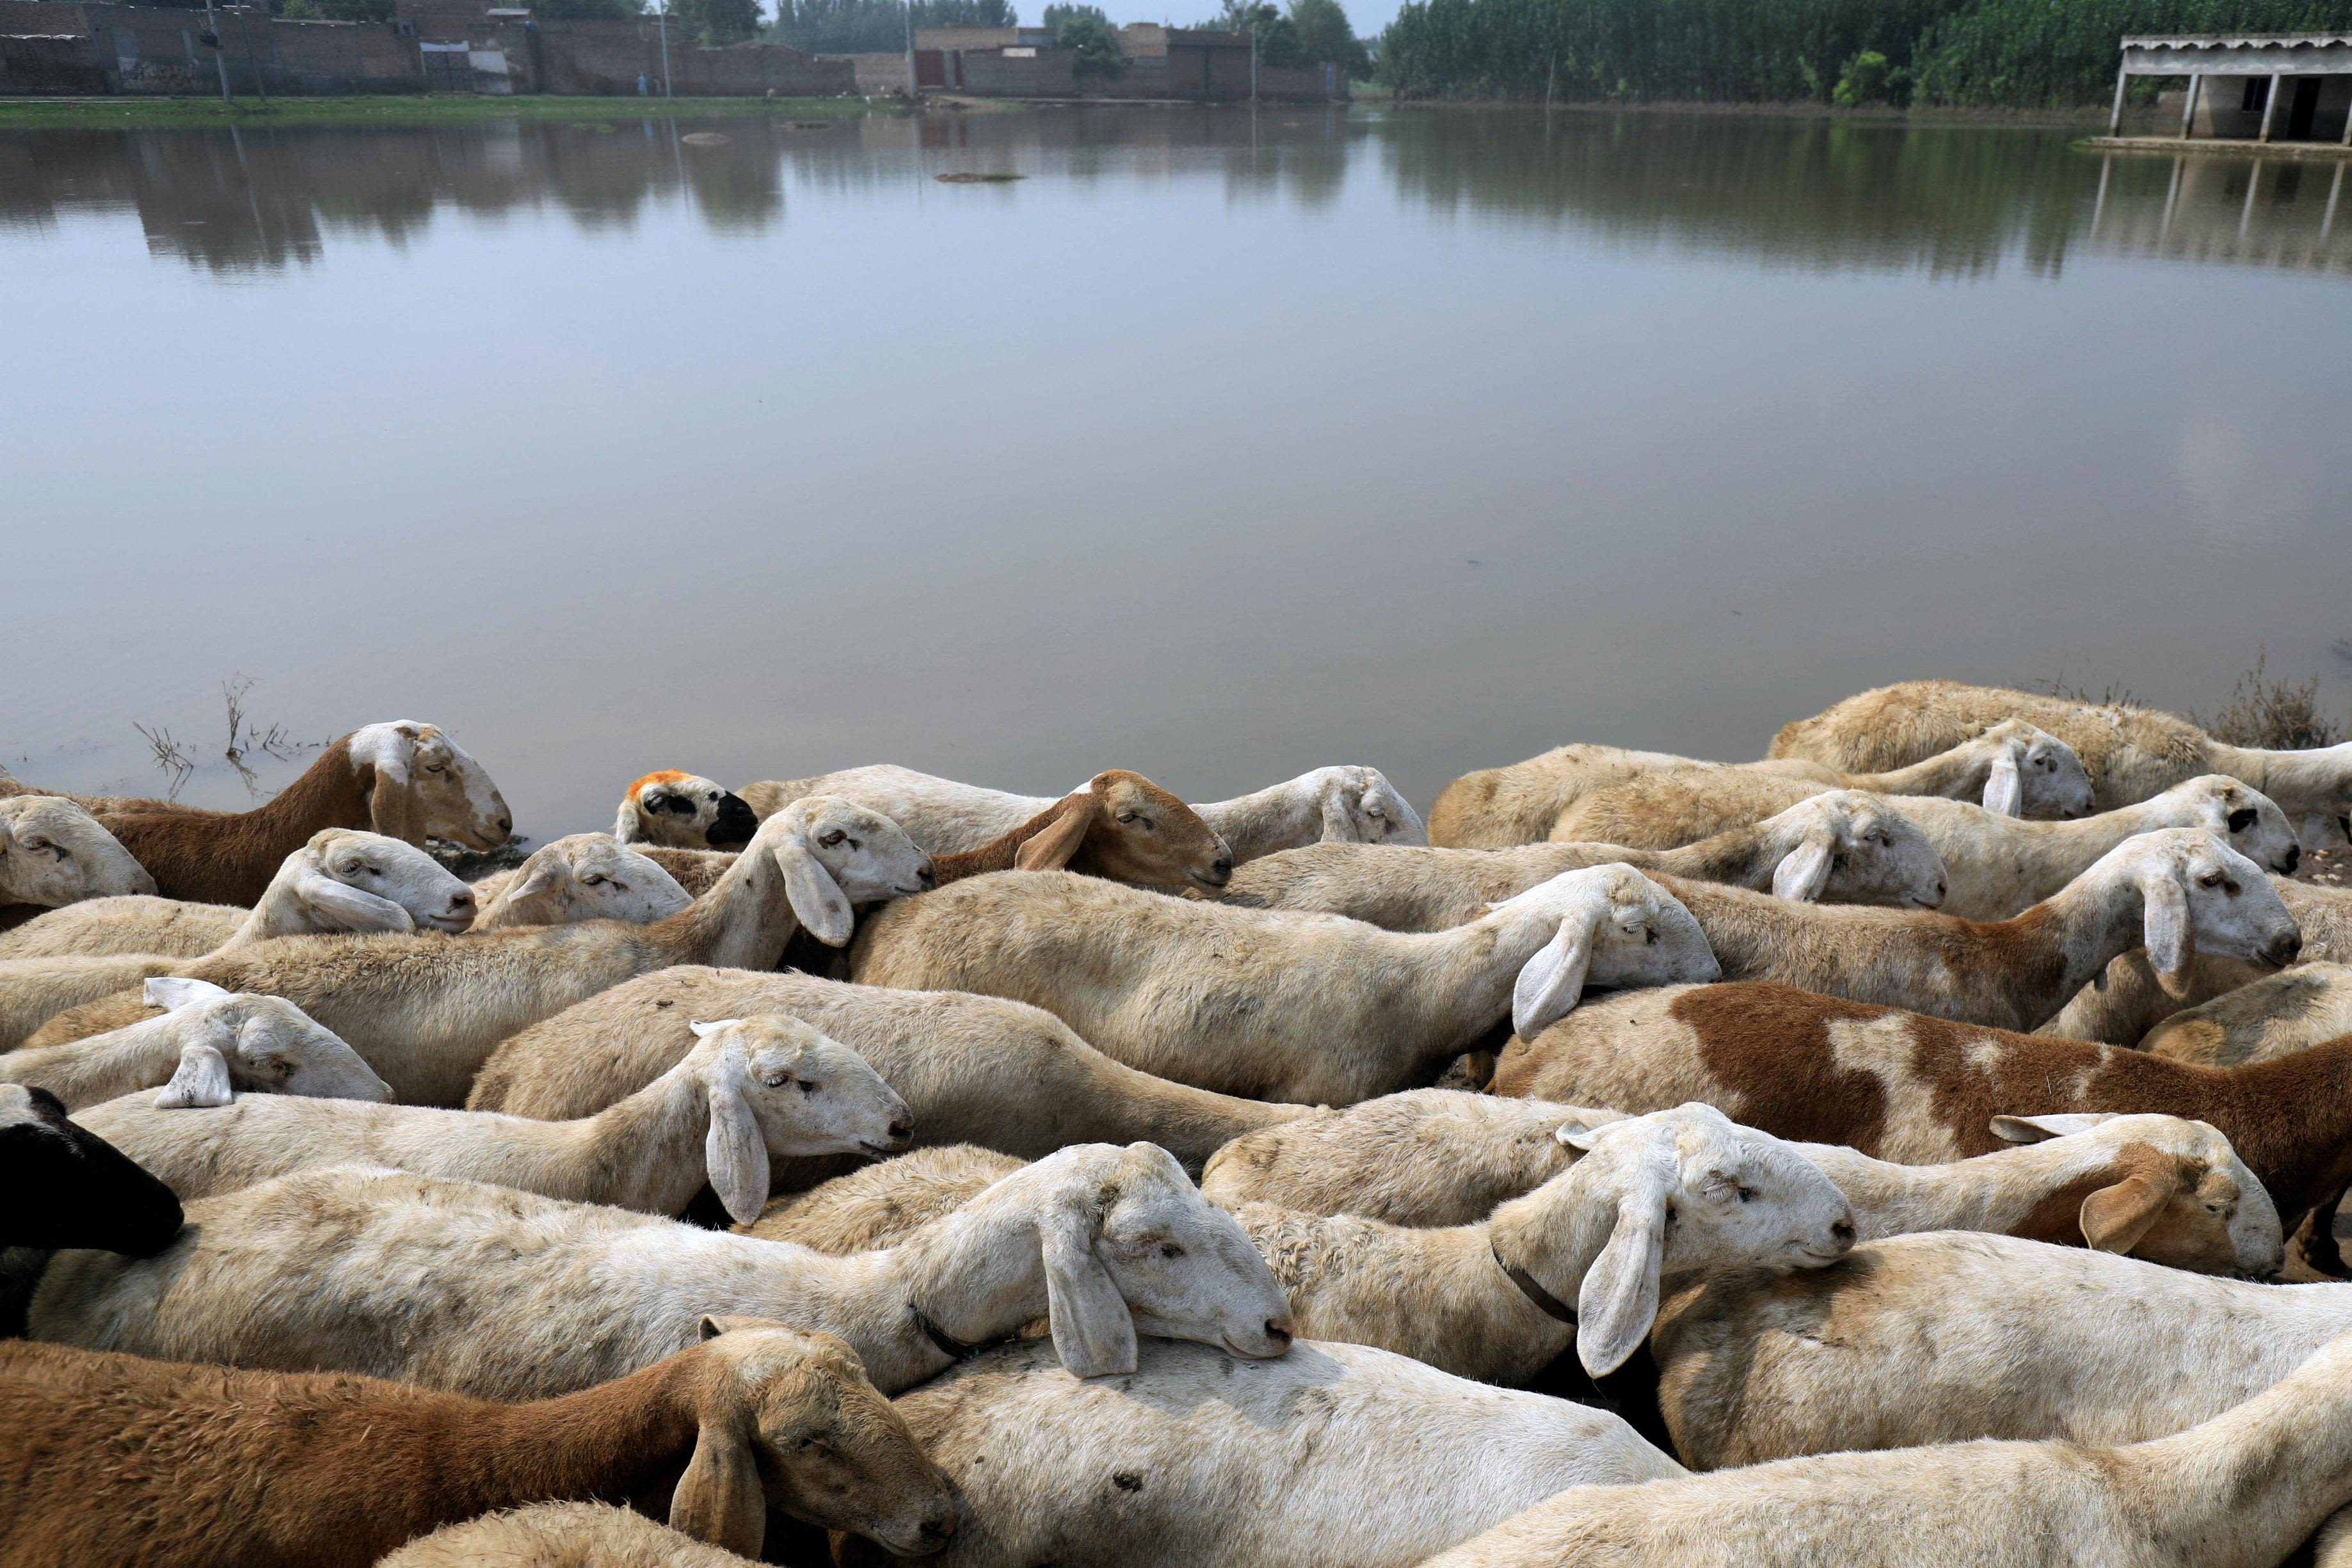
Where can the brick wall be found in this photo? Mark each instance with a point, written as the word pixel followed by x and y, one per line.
pixel 46 63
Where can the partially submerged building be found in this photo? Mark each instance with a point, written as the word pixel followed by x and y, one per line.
pixel 1197 63
pixel 2249 87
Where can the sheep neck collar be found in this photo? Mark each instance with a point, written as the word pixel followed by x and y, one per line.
pixel 1549 1305
pixel 947 1343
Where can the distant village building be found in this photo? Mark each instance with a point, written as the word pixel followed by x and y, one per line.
pixel 1200 63
pixel 2249 86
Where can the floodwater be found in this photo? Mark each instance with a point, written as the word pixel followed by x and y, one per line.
pixel 1218 445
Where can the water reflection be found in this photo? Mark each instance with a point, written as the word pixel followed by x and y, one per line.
pixel 1957 202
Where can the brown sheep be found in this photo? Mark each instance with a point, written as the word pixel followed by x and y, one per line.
pixel 119 1460
pixel 403 780
pixel 1904 1087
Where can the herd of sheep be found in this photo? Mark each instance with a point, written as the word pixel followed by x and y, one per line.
pixel 1892 1151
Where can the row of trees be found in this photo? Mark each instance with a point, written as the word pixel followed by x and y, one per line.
pixel 2033 53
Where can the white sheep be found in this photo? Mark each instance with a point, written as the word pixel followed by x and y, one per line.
pixel 1356 805
pixel 974 1068
pixel 682 811
pixel 505 1295
pixel 581 877
pixel 2274 1016
pixel 561 1535
pixel 1838 846
pixel 1950 1337
pixel 53 853
pixel 2245 1488
pixel 2014 769
pixel 341 881
pixel 2130 753
pixel 1336 1455
pixel 1279 1005
pixel 2122 1005
pixel 1997 865
pixel 425 1010
pixel 207 1043
pixel 751 1088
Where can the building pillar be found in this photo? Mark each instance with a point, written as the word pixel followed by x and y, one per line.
pixel 2188 109
pixel 2115 115
pixel 2270 108
pixel 2347 127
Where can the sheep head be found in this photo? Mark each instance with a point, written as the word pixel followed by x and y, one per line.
pixel 585 877
pixel 2196 894
pixel 53 852
pixel 1140 833
pixel 1130 1245
pixel 347 880
pixel 422 784
pixel 1678 1191
pixel 1851 847
pixel 1613 926
pixel 255 1044
pixel 2032 772
pixel 2239 814
pixel 789 1420
pixel 835 855
pixel 2181 1196
pixel 681 811
pixel 1361 807
pixel 776 1086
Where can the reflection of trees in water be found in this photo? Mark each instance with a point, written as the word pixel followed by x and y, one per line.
pixel 1819 194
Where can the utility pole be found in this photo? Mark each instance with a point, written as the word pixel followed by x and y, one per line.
pixel 1253 20
pixel 661 24
pixel 914 87
pixel 220 53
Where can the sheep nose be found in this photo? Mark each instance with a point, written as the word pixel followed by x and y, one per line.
pixel 927 878
pixel 1278 1331
pixel 2286 948
pixel 938 1525
pixel 2293 858
pixel 461 900
pixel 902 1131
pixel 1844 1232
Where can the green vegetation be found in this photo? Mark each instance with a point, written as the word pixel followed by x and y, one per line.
pixel 583 114
pixel 1056 15
pixel 1313 32
pixel 1093 42
pixel 716 22
pixel 2022 53
pixel 876 26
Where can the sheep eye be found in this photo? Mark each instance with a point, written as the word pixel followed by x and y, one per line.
pixel 831 837
pixel 807 1088
pixel 2242 820
pixel 1748 1194
pixel 1649 936
pixel 777 1080
pixel 434 768
pixel 1170 1249
pixel 1124 816
pixel 592 880
pixel 281 1067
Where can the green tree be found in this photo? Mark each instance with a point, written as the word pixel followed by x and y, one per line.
pixel 583 10
pixel 716 21
pixel 1277 36
pixel 1091 38
pixel 1324 37
pixel 1056 15
pixel 327 10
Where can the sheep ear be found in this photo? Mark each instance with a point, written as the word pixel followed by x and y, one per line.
pixel 173 992
pixel 1550 982
pixel 816 898
pixel 1804 873
pixel 1584 1125
pixel 2004 791
pixel 710 1026
pixel 720 1499
pixel 2164 929
pixel 202 1079
pixel 1094 1333
pixel 341 907
pixel 733 1152
pixel 1619 1300
pixel 2042 1129
pixel 1338 819
pixel 1052 849
pixel 392 802
pixel 2115 1218
pixel 544 878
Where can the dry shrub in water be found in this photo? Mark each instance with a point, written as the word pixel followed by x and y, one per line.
pixel 2276 715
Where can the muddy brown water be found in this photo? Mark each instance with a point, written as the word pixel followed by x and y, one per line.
pixel 1218 445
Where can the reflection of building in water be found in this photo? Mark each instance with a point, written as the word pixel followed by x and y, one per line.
pixel 2277 212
